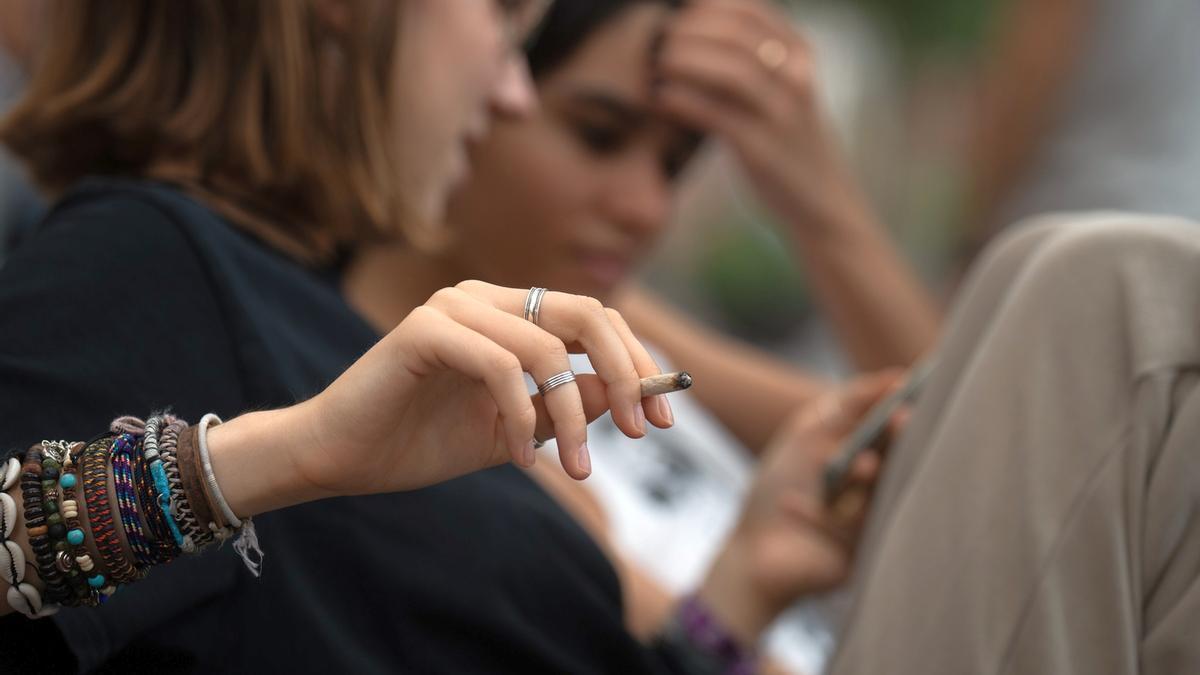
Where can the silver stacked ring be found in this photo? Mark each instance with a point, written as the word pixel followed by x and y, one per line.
pixel 533 304
pixel 556 381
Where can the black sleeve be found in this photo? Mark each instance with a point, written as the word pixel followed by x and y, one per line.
pixel 96 320
pixel 97 312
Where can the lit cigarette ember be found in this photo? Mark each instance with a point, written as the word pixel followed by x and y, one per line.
pixel 665 384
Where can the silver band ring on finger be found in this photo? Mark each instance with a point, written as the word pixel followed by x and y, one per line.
pixel 533 304
pixel 556 381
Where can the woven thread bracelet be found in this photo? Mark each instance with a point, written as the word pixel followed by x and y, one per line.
pixel 100 516
pixel 155 532
pixel 247 540
pixel 158 471
pixel 91 561
pixel 180 505
pixel 158 535
pixel 124 454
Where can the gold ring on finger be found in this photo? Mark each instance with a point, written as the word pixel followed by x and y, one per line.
pixel 772 54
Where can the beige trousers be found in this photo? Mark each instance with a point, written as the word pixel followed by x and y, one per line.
pixel 1042 512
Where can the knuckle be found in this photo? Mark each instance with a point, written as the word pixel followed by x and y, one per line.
pixel 554 348
pixel 445 297
pixel 422 315
pixel 527 418
pixel 504 364
pixel 471 286
pixel 577 418
pixel 590 305
pixel 615 317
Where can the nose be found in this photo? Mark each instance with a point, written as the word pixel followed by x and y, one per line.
pixel 513 94
pixel 638 196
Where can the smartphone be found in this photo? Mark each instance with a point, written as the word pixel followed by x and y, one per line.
pixel 872 429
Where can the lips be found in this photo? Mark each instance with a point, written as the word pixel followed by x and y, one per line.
pixel 604 268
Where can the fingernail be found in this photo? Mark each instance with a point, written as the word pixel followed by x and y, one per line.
pixel 664 407
pixel 585 459
pixel 528 454
pixel 639 417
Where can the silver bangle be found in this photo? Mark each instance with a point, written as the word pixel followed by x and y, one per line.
pixel 209 477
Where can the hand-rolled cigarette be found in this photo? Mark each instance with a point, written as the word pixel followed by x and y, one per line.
pixel 665 384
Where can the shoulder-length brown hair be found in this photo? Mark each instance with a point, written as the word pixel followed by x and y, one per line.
pixel 279 117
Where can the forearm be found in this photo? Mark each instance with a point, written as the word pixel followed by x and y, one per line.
pixel 1036 49
pixel 882 313
pixel 707 631
pixel 730 593
pixel 750 391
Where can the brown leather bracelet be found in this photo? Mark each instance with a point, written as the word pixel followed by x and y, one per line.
pixel 191 473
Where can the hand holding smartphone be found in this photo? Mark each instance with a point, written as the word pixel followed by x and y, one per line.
pixel 872 429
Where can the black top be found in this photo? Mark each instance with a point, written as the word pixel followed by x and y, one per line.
pixel 132 297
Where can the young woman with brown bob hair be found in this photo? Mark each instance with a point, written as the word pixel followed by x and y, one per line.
pixel 210 161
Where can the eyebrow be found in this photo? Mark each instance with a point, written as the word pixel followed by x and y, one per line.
pixel 628 114
pixel 624 111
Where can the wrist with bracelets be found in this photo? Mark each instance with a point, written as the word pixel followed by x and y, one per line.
pixel 101 514
pixel 696 642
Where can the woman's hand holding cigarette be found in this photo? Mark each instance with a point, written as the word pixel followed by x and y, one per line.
pixel 442 395
pixel 789 542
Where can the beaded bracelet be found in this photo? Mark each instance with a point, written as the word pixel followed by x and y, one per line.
pixel 25 597
pixel 124 453
pixel 64 559
pixel 50 564
pixel 87 583
pixel 100 517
